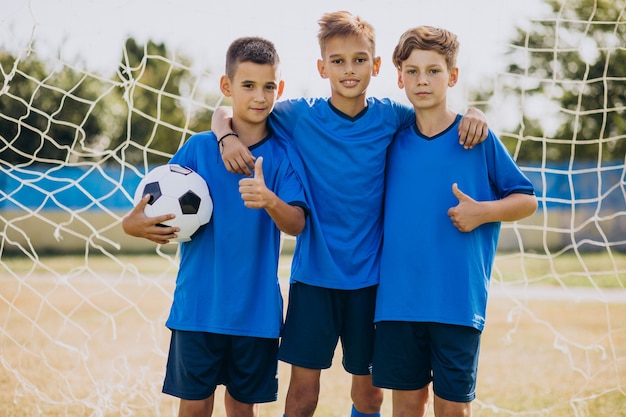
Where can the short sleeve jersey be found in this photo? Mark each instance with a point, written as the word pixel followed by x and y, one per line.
pixel 227 281
pixel 343 162
pixel 430 271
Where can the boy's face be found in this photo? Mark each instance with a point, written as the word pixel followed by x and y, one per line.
pixel 349 64
pixel 253 90
pixel 425 77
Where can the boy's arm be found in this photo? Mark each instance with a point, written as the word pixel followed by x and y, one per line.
pixel 469 214
pixel 255 194
pixel 236 157
pixel 137 224
pixel 473 128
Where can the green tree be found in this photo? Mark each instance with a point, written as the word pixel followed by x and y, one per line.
pixel 157 121
pixel 46 112
pixel 577 61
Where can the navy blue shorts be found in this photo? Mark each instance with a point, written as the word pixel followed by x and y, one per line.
pixel 318 317
pixel 198 362
pixel 408 355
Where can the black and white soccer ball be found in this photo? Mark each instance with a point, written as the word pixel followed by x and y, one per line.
pixel 178 190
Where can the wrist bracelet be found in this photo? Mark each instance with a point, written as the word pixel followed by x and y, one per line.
pixel 219 142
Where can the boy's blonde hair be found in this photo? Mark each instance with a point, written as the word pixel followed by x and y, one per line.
pixel 426 38
pixel 344 24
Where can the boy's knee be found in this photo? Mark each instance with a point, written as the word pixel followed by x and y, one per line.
pixel 367 399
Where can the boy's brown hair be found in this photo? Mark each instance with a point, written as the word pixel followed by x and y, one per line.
pixel 250 49
pixel 426 38
pixel 344 24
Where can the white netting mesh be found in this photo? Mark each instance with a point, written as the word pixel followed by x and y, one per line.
pixel 82 306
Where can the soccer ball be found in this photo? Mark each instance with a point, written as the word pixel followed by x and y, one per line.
pixel 180 191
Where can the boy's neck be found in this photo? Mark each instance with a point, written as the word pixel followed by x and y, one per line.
pixel 431 122
pixel 250 133
pixel 350 106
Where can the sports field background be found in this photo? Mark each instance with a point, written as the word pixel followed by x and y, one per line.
pixel 94 343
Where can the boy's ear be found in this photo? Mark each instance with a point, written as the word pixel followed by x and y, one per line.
pixel 225 85
pixel 321 68
pixel 281 88
pixel 377 63
pixel 454 77
pixel 400 82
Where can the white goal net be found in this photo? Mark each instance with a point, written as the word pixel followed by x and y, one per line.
pixel 82 306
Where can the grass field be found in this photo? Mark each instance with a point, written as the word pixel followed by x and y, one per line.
pixel 84 336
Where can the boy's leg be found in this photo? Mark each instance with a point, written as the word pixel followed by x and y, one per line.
pixel 410 403
pixel 309 339
pixel 251 373
pixel 455 365
pixel 193 371
pixel 196 408
pixel 402 363
pixel 366 398
pixel 235 408
pixel 357 339
pixel 303 392
pixel 445 408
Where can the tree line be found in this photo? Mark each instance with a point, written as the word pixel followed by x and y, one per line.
pixel 152 102
pixel 141 114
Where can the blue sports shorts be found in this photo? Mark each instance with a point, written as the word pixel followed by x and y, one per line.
pixel 408 355
pixel 199 361
pixel 318 317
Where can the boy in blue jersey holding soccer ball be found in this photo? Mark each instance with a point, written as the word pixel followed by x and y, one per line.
pixel 227 311
pixel 443 209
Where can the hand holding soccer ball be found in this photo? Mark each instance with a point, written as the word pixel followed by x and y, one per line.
pixel 176 190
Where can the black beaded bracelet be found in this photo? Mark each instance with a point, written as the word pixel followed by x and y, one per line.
pixel 219 142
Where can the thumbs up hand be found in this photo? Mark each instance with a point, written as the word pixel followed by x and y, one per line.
pixel 254 192
pixel 467 215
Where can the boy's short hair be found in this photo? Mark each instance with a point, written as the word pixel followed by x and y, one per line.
pixel 250 49
pixel 344 24
pixel 426 38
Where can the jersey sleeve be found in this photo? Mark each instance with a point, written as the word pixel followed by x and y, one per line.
pixel 289 186
pixel 504 174
pixel 283 118
pixel 405 115
pixel 189 153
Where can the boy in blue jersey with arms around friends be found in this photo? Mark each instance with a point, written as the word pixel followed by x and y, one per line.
pixel 342 143
pixel 227 310
pixel 443 209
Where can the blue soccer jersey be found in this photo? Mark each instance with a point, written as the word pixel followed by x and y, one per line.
pixel 343 161
pixel 430 271
pixel 227 281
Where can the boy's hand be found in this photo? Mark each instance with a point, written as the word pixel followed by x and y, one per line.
pixel 473 128
pixel 137 224
pixel 467 215
pixel 254 192
pixel 237 158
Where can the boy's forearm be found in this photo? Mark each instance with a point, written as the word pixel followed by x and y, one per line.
pixel 220 122
pixel 289 219
pixel 513 207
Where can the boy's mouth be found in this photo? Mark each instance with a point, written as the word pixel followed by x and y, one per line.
pixel 349 82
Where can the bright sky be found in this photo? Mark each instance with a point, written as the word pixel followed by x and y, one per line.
pixel 96 30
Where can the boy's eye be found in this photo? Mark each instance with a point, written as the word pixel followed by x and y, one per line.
pixel 247 85
pixel 361 60
pixel 337 61
pixel 271 87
